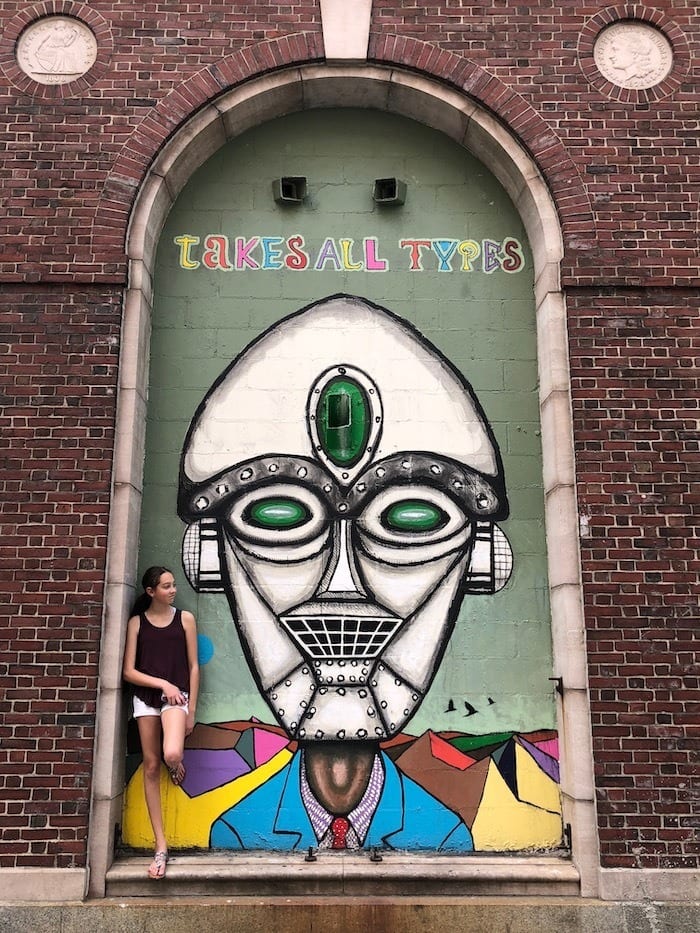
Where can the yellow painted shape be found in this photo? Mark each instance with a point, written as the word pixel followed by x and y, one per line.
pixel 188 820
pixel 534 786
pixel 504 823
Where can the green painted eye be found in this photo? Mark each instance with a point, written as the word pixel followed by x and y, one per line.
pixel 414 515
pixel 277 513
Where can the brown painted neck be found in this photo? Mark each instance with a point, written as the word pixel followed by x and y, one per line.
pixel 338 772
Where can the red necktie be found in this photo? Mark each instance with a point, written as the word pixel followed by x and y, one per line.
pixel 339 829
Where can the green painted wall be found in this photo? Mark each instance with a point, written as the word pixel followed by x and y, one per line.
pixel 483 323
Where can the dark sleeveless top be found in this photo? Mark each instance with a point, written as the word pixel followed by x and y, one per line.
pixel 162 652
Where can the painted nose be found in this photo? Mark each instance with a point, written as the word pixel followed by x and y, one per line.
pixel 343 579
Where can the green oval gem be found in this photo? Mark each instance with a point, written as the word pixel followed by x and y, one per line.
pixel 414 515
pixel 343 420
pixel 277 513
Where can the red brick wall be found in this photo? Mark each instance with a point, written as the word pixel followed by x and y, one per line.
pixel 623 170
pixel 634 371
pixel 60 152
pixel 58 371
pixel 632 154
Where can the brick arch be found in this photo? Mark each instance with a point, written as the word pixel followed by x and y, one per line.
pixel 210 85
pixel 522 120
pixel 174 110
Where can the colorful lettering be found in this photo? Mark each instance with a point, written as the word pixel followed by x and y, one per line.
pixel 416 257
pixel 470 250
pixel 243 249
pixel 346 249
pixel 215 255
pixel 490 250
pixel 444 250
pixel 328 253
pixel 271 252
pixel 297 258
pixel 514 259
pixel 343 254
pixel 372 262
pixel 185 242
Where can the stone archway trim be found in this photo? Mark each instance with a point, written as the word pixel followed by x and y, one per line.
pixel 463 120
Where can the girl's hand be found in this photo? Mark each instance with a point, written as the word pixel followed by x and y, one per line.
pixel 189 726
pixel 172 695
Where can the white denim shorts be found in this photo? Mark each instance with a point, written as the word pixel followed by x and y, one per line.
pixel 143 709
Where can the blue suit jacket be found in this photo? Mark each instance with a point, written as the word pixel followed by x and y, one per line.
pixel 273 817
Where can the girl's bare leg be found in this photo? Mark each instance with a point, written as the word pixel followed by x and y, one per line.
pixel 150 735
pixel 174 722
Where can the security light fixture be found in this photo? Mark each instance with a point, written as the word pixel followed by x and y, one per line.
pixel 290 189
pixel 389 191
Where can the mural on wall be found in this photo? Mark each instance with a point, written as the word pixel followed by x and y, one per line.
pixel 370 673
pixel 342 486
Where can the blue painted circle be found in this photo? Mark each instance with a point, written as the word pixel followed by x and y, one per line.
pixel 205 649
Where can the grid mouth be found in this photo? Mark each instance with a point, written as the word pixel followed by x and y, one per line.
pixel 341 635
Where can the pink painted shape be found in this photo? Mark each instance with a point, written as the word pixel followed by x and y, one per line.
pixel 452 756
pixel 266 745
pixel 550 747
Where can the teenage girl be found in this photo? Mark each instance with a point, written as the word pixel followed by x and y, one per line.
pixel 160 660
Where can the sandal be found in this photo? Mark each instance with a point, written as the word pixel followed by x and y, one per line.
pixel 177 775
pixel 156 870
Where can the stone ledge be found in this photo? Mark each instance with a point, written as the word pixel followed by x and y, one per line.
pixel 351 915
pixel 346 875
pixel 650 884
pixel 42 885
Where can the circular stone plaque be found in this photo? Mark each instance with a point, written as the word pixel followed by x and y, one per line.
pixel 56 50
pixel 633 55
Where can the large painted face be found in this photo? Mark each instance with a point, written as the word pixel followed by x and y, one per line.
pixel 342 485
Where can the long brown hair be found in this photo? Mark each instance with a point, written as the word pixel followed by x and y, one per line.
pixel 149 581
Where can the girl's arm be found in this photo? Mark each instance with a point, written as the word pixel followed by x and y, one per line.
pixel 190 625
pixel 132 675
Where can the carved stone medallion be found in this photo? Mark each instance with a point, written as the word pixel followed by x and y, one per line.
pixel 56 50
pixel 633 55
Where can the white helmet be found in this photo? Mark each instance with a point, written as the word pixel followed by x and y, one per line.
pixel 341 484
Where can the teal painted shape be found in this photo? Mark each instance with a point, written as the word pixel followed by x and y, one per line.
pixel 505 762
pixel 245 747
